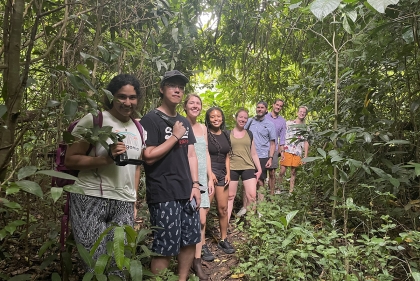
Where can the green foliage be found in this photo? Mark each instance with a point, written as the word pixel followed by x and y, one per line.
pixel 297 245
pixel 126 253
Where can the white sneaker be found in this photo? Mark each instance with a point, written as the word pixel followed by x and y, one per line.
pixel 241 212
pixel 277 192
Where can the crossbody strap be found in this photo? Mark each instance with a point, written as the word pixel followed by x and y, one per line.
pixel 250 122
pixel 165 118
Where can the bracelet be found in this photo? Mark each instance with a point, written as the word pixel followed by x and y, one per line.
pixel 197 182
pixel 270 157
pixel 175 137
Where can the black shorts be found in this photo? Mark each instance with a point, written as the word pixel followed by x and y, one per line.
pixel 175 226
pixel 244 174
pixel 219 170
pixel 263 161
pixel 275 162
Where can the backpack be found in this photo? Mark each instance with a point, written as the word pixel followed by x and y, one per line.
pixel 59 166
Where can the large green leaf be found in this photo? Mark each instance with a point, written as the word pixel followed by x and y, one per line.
pixel 11 227
pixel 70 108
pixel 380 172
pixel 131 234
pixel 73 188
pixel 322 152
pixel 136 270
pixel 56 193
pixel 101 263
pixel 119 246
pixel 322 8
pixel 290 216
pixel 82 69
pixel 30 187
pixel 12 190
pixel 57 174
pixel 101 277
pixel 105 53
pixel 100 238
pixel 11 205
pixel 84 254
pixel 55 277
pixel 26 172
pixel 88 276
pixel 380 5
pixel 416 276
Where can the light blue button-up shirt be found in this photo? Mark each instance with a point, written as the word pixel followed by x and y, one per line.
pixel 263 131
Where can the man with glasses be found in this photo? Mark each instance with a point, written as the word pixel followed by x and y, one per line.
pixel 172 179
pixel 280 124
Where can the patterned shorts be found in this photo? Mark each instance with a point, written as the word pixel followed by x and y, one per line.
pixel 90 216
pixel 175 227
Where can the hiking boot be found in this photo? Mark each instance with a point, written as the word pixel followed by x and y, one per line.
pixel 198 270
pixel 206 254
pixel 226 246
pixel 241 212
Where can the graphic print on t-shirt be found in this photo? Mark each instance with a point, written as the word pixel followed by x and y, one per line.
pixel 183 141
pixel 131 141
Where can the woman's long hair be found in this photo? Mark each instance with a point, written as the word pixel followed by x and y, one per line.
pixel 211 137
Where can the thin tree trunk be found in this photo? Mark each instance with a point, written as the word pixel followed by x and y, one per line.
pixel 13 93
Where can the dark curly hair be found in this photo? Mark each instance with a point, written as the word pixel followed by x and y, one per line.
pixel 117 83
pixel 211 137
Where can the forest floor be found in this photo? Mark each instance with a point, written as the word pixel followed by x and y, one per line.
pixel 221 268
pixel 23 261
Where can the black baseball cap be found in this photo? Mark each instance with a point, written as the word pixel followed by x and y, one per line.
pixel 172 74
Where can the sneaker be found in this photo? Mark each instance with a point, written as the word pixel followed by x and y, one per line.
pixel 206 254
pixel 241 212
pixel 226 246
pixel 277 192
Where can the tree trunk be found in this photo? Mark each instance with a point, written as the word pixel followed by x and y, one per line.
pixel 13 91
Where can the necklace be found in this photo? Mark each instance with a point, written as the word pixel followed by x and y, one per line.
pixel 124 124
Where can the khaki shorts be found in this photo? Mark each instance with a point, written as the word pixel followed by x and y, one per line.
pixel 291 160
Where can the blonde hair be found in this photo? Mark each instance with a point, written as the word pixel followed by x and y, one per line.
pixel 305 107
pixel 189 96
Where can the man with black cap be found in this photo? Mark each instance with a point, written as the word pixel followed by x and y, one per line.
pixel 264 133
pixel 172 187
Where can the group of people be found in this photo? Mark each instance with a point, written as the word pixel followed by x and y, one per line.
pixel 187 165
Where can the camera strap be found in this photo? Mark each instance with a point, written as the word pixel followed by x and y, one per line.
pixel 165 118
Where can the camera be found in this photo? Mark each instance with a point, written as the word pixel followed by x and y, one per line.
pixel 122 159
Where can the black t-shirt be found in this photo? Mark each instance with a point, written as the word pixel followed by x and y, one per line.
pixel 218 147
pixel 169 178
